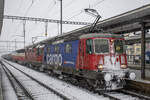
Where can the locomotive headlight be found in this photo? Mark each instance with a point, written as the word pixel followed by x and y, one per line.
pixel 132 76
pixel 100 67
pixel 107 77
pixel 123 66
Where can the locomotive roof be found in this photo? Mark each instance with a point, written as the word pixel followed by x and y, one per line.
pixel 107 35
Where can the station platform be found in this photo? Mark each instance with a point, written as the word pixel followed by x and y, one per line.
pixel 1 93
pixel 137 69
pixel 139 84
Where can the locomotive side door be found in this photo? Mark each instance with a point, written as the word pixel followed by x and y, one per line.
pixel 85 53
pixel 88 53
pixel 81 54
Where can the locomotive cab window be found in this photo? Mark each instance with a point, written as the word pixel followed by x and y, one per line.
pixel 38 51
pixel 101 46
pixel 32 50
pixel 119 46
pixel 68 48
pixel 89 46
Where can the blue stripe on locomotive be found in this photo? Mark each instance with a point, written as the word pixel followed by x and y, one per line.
pixel 68 59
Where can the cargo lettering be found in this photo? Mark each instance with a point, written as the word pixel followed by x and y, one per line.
pixel 54 59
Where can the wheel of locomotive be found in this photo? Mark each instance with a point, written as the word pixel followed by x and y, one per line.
pixel 50 72
pixel 91 84
pixel 27 65
pixel 60 77
pixel 96 85
pixel 41 69
pixel 30 66
pixel 35 67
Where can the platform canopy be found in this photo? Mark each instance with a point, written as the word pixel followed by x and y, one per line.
pixel 126 22
pixel 1 14
pixel 136 39
pixel 120 24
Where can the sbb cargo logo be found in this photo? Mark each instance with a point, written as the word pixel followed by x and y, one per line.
pixel 54 59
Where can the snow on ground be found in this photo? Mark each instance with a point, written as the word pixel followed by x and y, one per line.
pixel 38 92
pixel 67 89
pixel 8 91
pixel 122 96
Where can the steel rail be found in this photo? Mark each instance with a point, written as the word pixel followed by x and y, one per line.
pixel 102 93
pixel 125 92
pixel 28 94
pixel 135 94
pixel 42 84
pixel 109 96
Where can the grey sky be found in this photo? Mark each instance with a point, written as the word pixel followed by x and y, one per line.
pixel 72 10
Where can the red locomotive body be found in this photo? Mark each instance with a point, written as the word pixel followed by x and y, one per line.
pixel 19 56
pixel 102 57
pixel 34 56
pixel 101 51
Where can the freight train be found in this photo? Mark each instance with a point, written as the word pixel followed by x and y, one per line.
pixel 97 60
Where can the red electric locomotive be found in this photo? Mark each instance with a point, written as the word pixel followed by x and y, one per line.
pixel 102 59
pixel 34 56
pixel 97 61
pixel 19 56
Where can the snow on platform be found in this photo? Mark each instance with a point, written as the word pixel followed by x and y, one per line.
pixel 1 94
pixel 38 92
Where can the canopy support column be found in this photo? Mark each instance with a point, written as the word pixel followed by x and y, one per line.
pixel 143 32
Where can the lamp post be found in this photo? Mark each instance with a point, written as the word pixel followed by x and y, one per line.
pixel 60 17
pixel 24 31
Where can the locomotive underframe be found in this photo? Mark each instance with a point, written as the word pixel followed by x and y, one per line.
pixel 92 79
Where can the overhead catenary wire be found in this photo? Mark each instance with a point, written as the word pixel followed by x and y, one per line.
pixel 28 9
pixel 90 6
pixel 97 3
pixel 64 7
pixel 75 15
pixel 50 7
pixel 22 22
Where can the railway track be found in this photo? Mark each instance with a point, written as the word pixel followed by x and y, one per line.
pixel 124 95
pixel 29 95
pixel 121 95
pixel 21 92
pixel 115 95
